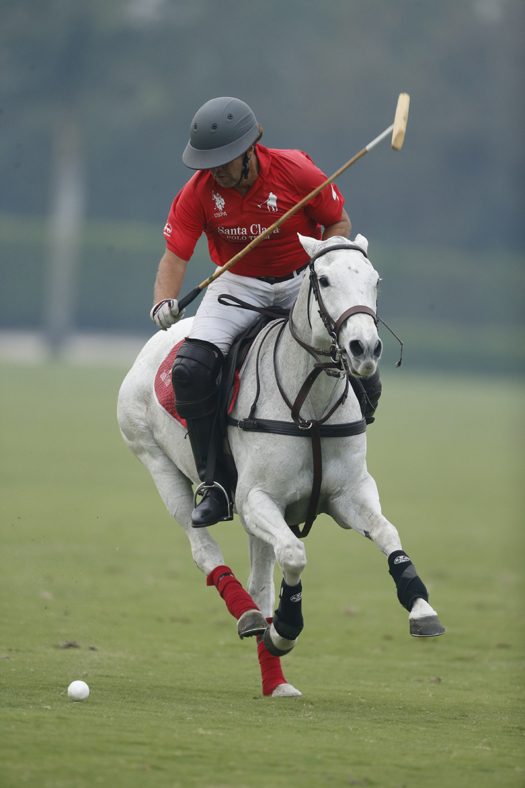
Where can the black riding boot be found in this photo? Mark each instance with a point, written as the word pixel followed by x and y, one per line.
pixel 215 504
pixel 372 387
pixel 194 376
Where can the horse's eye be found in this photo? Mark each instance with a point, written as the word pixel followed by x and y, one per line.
pixel 323 281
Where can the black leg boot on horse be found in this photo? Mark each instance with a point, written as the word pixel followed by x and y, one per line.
pixel 194 377
pixel 281 636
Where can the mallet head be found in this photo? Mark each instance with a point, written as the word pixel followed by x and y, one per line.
pixel 400 121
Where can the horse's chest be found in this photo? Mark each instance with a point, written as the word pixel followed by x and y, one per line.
pixel 283 466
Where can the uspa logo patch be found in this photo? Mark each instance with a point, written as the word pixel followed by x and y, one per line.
pixel 219 201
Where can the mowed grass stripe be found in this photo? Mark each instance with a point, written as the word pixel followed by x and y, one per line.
pixel 89 554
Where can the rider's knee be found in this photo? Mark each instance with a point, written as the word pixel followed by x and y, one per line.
pixel 194 378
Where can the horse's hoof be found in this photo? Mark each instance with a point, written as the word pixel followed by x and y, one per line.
pixel 426 627
pixel 252 622
pixel 286 691
pixel 277 645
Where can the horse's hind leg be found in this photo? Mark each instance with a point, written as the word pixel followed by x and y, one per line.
pixel 176 492
pixel 362 512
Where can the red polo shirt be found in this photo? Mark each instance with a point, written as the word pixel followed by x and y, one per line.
pixel 231 221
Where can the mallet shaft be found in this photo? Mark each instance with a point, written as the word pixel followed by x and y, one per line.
pixel 381 137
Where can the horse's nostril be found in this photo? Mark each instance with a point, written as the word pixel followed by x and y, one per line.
pixel 356 347
pixel 378 349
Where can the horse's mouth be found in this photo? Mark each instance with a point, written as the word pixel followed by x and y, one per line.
pixel 364 370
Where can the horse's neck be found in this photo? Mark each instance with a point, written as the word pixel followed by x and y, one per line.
pixel 295 364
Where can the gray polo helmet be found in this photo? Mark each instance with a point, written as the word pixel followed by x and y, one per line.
pixel 223 129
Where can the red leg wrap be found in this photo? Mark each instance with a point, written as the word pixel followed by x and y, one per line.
pixel 238 601
pixel 271 671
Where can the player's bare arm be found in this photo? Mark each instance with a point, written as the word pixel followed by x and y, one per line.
pixel 342 227
pixel 169 277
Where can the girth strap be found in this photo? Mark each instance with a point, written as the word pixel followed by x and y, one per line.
pixel 289 428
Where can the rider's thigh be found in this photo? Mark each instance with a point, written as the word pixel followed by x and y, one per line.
pixel 220 324
pixel 285 293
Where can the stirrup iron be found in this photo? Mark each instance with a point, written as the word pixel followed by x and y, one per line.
pixel 199 490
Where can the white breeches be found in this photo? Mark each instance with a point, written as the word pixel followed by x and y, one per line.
pixel 220 324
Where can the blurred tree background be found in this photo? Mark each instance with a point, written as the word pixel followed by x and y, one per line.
pixel 111 86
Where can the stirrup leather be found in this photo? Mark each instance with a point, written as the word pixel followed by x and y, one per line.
pixel 199 490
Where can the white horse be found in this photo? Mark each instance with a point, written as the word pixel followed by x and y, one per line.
pixel 274 488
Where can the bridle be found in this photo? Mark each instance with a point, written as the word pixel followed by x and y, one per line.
pixel 339 365
pixel 333 327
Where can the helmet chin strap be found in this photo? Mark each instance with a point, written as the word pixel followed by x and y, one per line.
pixel 245 168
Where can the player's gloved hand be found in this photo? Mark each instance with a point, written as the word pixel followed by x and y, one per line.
pixel 166 313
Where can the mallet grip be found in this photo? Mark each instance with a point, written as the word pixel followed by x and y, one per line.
pixel 187 299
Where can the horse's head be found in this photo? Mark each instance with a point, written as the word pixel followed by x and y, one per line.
pixel 345 279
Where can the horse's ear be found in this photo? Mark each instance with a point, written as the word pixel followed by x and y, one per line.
pixel 310 245
pixel 361 241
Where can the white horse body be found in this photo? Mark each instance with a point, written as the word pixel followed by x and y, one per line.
pixel 275 471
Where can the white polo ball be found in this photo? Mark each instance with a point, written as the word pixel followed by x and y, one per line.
pixel 78 690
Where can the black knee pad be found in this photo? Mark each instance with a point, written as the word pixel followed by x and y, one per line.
pixel 408 583
pixel 288 618
pixel 194 378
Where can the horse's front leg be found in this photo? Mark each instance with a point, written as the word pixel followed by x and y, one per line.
pixel 261 589
pixel 263 519
pixel 361 511
pixel 260 583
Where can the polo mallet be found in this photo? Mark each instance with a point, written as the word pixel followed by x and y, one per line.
pixel 397 128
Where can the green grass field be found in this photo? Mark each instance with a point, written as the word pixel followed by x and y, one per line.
pixel 89 554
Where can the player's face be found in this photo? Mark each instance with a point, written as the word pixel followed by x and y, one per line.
pixel 228 175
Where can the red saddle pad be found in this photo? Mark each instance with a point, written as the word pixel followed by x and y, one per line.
pixel 164 390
